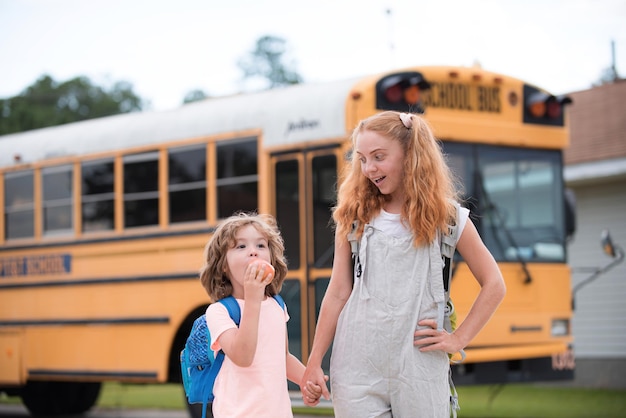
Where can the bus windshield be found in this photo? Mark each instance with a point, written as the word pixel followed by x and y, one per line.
pixel 516 196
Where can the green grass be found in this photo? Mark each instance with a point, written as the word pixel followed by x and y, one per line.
pixel 141 396
pixel 536 401
pixel 509 401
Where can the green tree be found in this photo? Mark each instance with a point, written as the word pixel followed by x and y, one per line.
pixel 195 96
pixel 267 62
pixel 49 103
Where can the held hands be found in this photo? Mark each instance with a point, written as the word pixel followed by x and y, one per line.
pixel 432 339
pixel 311 392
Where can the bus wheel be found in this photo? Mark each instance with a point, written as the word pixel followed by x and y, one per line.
pixel 195 410
pixel 59 398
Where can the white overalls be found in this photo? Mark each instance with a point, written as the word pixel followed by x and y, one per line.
pixel 375 369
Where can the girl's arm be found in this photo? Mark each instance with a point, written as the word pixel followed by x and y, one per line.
pixel 337 294
pixel 239 344
pixel 295 371
pixel 492 290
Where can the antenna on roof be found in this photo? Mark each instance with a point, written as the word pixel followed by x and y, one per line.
pixel 388 12
pixel 613 62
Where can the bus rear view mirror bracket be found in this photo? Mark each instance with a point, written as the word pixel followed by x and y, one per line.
pixel 612 250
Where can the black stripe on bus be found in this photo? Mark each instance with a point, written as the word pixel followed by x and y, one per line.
pixel 86 321
pixel 91 374
pixel 79 241
pixel 104 280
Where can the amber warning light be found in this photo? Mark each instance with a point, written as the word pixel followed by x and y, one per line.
pixel 401 92
pixel 543 108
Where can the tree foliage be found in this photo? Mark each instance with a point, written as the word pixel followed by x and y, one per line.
pixel 49 103
pixel 194 96
pixel 267 62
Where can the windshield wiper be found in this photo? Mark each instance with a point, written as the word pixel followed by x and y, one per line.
pixel 490 207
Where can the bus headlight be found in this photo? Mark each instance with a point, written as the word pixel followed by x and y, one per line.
pixel 560 327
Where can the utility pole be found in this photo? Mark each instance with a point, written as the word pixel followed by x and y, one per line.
pixel 391 45
pixel 613 62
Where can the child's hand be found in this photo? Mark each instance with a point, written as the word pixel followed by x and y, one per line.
pixel 256 277
pixel 312 393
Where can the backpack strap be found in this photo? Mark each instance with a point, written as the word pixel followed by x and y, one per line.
pixel 447 244
pixel 279 299
pixel 232 307
pixel 448 247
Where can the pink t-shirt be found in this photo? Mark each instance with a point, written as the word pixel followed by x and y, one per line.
pixel 259 390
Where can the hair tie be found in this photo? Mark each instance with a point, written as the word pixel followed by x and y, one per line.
pixel 406 119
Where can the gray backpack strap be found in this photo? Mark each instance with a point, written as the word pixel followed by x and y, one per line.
pixel 454 396
pixel 448 241
pixel 448 247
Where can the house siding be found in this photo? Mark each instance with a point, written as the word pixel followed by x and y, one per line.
pixel 595 169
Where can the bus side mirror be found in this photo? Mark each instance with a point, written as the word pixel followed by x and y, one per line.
pixel 609 248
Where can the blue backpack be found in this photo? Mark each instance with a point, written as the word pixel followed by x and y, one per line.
pixel 199 367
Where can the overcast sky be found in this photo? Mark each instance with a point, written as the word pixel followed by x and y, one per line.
pixel 167 48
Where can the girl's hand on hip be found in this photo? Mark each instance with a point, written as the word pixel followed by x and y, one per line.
pixel 432 339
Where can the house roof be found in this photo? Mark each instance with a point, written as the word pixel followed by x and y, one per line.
pixel 597 120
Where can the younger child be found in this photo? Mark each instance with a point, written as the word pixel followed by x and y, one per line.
pixel 253 379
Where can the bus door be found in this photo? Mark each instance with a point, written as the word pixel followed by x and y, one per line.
pixel 304 194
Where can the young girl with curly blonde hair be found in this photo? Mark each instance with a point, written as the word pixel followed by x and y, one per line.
pixel 245 258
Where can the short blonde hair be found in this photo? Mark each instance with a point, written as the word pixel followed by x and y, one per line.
pixel 213 273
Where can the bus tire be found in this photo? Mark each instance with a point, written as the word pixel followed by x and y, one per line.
pixel 195 410
pixel 47 398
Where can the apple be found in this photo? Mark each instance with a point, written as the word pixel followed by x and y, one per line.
pixel 268 269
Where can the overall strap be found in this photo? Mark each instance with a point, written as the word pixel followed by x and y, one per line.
pixel 354 247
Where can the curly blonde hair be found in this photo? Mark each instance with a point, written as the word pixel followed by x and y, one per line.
pixel 429 184
pixel 213 273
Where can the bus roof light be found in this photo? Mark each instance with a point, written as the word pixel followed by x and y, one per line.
pixel 401 92
pixel 543 108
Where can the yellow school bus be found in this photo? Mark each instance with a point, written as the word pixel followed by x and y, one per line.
pixel 103 224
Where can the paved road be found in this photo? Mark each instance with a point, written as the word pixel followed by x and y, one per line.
pixel 18 411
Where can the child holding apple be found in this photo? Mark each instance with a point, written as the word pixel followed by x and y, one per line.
pixel 245 258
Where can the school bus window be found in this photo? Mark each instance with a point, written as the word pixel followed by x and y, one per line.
pixel 460 159
pixel 237 177
pixel 141 189
pixel 520 191
pixel 291 293
pixel 287 209
pixel 187 183
pixel 324 180
pixel 97 195
pixel 57 199
pixel 320 287
pixel 19 212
